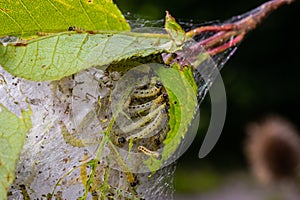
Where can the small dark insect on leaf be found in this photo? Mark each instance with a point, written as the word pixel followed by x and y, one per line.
pixel 75 28
pixel 71 28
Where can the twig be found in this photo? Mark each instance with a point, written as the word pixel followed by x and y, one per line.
pixel 228 34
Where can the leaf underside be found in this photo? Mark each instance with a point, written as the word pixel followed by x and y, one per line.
pixel 56 56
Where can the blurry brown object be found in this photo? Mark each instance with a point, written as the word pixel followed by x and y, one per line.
pixel 273 149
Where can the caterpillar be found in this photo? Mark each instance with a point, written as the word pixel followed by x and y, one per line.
pixel 131 179
pixel 146 92
pixel 39 33
pixel 24 192
pixel 152 128
pixel 157 139
pixel 83 172
pixel 143 120
pixel 153 90
pixel 149 152
pixel 159 100
pixel 69 138
pixel 140 107
pixel 146 106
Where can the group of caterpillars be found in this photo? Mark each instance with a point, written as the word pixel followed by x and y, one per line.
pixel 146 108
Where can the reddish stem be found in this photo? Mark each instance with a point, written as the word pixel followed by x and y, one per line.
pixel 228 34
pixel 203 29
pixel 227 45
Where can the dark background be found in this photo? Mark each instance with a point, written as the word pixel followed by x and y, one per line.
pixel 261 78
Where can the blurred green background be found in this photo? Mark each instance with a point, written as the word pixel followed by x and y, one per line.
pixel 261 78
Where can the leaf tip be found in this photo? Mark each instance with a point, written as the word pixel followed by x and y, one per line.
pixel 174 29
pixel 169 17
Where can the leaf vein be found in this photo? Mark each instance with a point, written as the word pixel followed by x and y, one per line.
pixel 29 13
pixel 36 55
pixel 105 46
pixel 22 58
pixel 59 12
pixel 54 51
pixel 85 39
pixel 87 15
pixel 5 13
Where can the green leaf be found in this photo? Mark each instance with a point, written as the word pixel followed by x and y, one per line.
pixel 56 56
pixel 182 92
pixel 12 135
pixel 25 16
